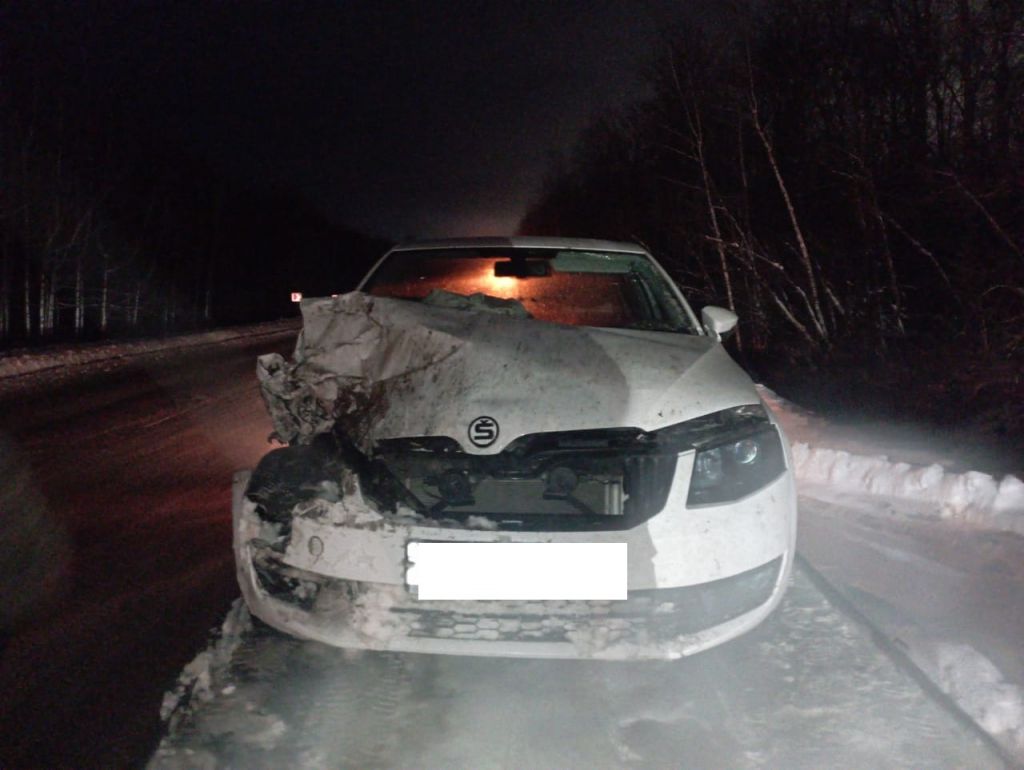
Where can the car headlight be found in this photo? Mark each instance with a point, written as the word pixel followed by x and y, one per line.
pixel 739 451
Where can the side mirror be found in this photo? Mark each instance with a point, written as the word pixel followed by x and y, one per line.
pixel 718 321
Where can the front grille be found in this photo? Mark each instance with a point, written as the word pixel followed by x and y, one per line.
pixel 562 481
pixel 648 481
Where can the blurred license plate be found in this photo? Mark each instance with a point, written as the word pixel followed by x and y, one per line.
pixel 516 571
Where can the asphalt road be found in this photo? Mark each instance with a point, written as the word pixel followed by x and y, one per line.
pixel 134 460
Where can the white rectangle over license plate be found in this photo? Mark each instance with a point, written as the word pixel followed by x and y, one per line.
pixel 517 571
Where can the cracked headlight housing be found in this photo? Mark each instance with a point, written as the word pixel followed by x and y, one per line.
pixel 739 451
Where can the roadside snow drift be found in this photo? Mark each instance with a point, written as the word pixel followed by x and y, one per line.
pixel 978 686
pixel 15 363
pixel 926 490
pixel 195 682
pixel 974 497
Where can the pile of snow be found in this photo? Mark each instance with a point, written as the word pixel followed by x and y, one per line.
pixel 19 362
pixel 973 497
pixel 978 686
pixel 195 682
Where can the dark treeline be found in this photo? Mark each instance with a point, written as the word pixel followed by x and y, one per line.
pixel 849 176
pixel 108 226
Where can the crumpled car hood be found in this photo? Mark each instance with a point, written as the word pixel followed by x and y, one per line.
pixel 389 368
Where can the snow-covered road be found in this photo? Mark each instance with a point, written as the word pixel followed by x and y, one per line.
pixel 135 457
pixel 807 689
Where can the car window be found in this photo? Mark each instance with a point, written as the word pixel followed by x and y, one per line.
pixel 580 288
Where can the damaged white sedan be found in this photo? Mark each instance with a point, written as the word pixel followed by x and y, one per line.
pixel 524 446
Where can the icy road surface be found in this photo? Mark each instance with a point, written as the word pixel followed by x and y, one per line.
pixel 808 689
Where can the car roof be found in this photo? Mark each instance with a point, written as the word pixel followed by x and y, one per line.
pixel 523 242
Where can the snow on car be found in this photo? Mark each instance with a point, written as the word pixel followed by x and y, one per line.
pixel 527 392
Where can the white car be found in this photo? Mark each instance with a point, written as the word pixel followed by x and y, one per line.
pixel 551 409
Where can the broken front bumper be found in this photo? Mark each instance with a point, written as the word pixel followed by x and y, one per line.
pixel 697 577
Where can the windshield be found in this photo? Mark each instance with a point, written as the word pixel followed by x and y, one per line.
pixel 581 288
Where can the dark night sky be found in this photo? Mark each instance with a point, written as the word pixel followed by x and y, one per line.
pixel 398 118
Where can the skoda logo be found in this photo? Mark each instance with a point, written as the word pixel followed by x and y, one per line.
pixel 483 431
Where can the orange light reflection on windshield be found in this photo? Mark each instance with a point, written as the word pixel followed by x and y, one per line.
pixel 498 286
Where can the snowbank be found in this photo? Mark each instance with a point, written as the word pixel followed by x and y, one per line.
pixel 195 682
pixel 23 361
pixel 978 686
pixel 972 497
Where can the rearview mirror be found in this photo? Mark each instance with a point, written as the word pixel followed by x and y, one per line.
pixel 522 268
pixel 718 322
